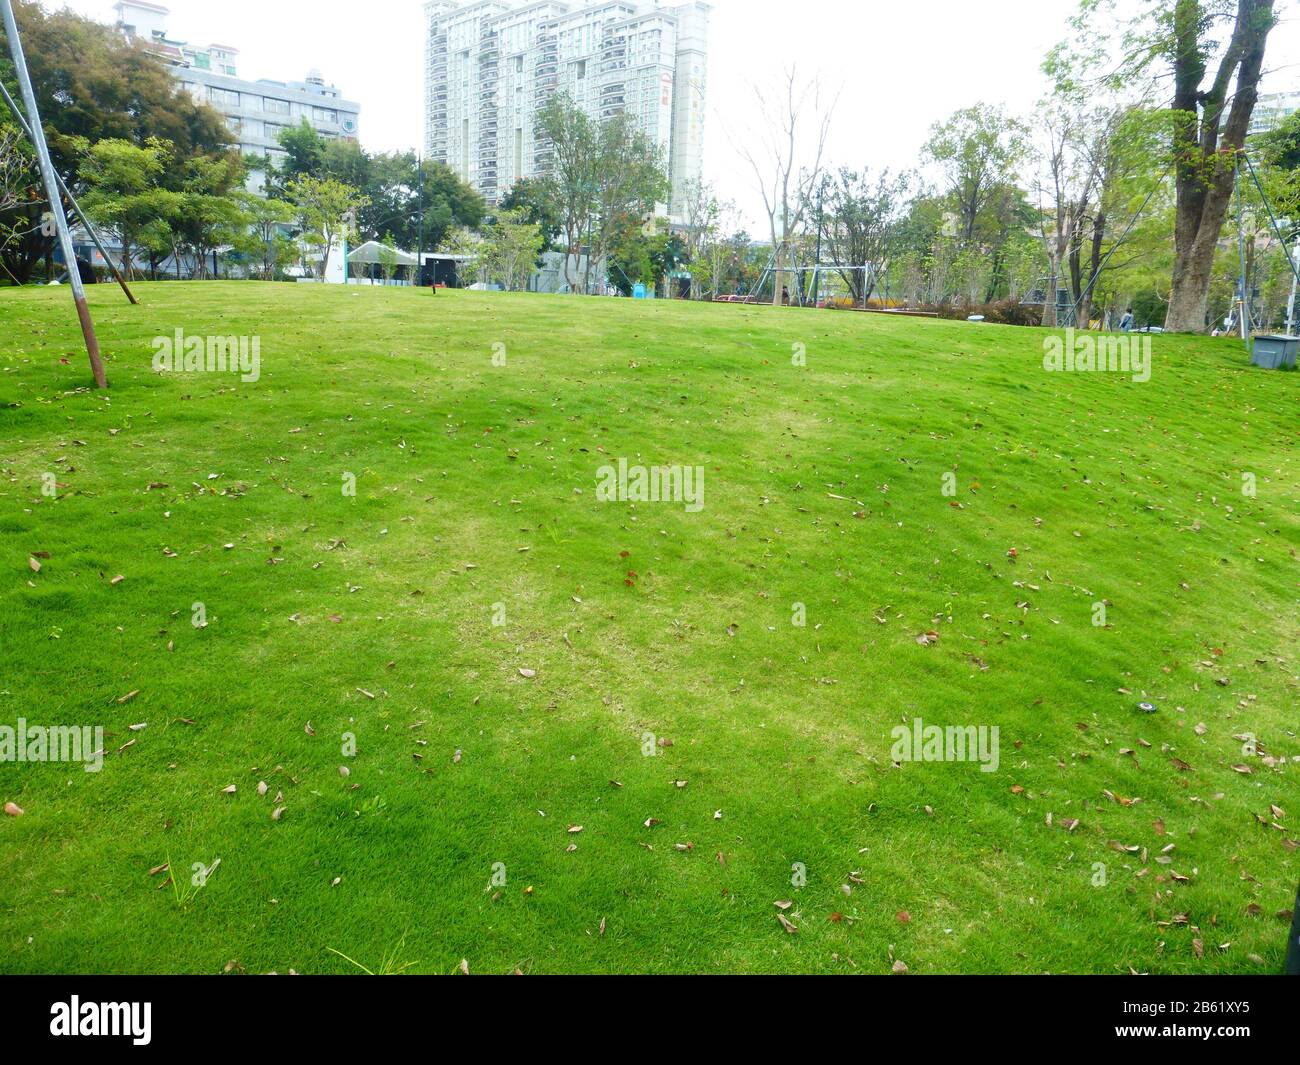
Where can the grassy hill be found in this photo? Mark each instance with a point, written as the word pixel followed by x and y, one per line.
pixel 504 648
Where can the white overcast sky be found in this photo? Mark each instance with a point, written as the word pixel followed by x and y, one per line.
pixel 900 64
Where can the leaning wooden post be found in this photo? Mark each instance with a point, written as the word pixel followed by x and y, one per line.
pixel 51 182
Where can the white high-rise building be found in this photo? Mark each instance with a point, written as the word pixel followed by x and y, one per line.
pixel 491 65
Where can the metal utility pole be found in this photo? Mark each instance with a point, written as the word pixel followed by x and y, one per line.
pixel 419 255
pixel 21 119
pixel 1290 306
pixel 48 176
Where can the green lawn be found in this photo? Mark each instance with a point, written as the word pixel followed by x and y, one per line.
pixel 476 502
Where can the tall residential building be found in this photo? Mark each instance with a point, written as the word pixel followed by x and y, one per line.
pixel 255 111
pixel 491 65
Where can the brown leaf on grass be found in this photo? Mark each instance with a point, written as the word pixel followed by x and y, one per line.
pixel 900 967
pixel 262 788
pixel 34 565
pixel 277 813
pixel 783 905
pixel 925 639
pixel 117 580
pixel 574 829
pixel 128 696
pixel 1244 770
pixel 159 869
pixel 1198 948
pixel 230 790
pixel 903 917
pixel 787 924
pixel 14 810
pixel 1159 826
pixel 602 927
pixel 309 729
pixel 528 674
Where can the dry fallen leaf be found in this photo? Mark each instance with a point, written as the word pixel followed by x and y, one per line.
pixel 14 810
pixel 35 566
pixel 786 923
pixel 229 791
pixel 528 674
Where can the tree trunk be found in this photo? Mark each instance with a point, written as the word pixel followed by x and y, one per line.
pixel 1206 167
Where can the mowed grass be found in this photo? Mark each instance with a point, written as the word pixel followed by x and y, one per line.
pixel 372 616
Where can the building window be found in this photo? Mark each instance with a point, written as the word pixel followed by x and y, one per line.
pixel 582 69
pixel 324 114
pixel 275 107
pixel 226 97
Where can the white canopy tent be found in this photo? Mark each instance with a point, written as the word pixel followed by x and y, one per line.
pixel 372 253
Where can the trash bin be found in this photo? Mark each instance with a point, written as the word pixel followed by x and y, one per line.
pixel 1275 352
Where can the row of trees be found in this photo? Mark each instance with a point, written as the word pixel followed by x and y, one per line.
pixel 1112 189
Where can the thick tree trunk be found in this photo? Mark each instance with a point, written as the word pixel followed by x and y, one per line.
pixel 1205 163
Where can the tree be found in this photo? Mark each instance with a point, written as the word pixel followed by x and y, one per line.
pixel 508 254
pixel 1205 146
pixel 1067 181
pixel 535 198
pixel 630 179
pixel 702 212
pixel 787 162
pixel 861 225
pixel 15 180
pixel 123 192
pixel 573 139
pixel 269 244
pixel 304 154
pixel 209 214
pixel 325 207
pixel 977 149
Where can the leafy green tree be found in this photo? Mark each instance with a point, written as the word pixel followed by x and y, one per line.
pixel 15 180
pixel 535 198
pixel 327 208
pixel 124 193
pixel 571 140
pixel 304 155
pixel 976 149
pixel 510 249
pixel 267 243
pixel 862 225
pixel 210 213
